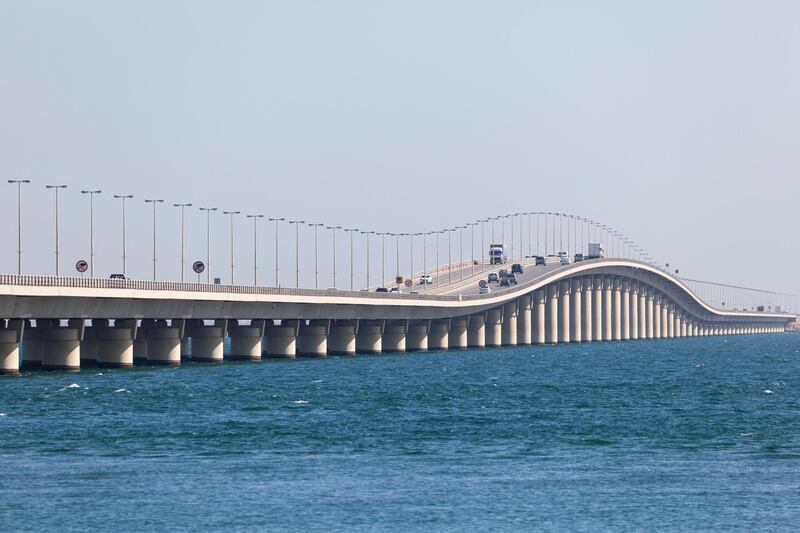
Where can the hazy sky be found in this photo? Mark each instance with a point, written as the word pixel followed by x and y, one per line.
pixel 676 122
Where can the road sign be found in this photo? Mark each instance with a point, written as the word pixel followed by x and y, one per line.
pixel 408 283
pixel 398 280
pixel 198 266
pixel 482 284
pixel 81 266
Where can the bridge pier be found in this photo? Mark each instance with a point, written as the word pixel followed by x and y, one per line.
pixel 552 314
pixel 369 338
pixel 280 340
pixel 656 316
pixel 476 331
pixel 312 339
pixel 509 327
pixel 140 342
pixel 32 345
pixel 651 313
pixel 89 344
pixel 598 308
pixel 115 344
pixel 438 335
pixel 61 346
pixel 457 336
pixel 665 321
pixel 626 310
pixel 246 341
pixel 417 336
pixel 608 308
pixel 671 320
pixel 576 311
pixel 342 337
pixel 394 336
pixel 564 311
pixel 207 341
pixel 11 334
pixel 524 334
pixel 586 322
pixel 616 312
pixel 539 322
pixel 635 316
pixel 494 327
pixel 164 344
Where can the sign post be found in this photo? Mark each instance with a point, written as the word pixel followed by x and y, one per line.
pixel 81 266
pixel 198 267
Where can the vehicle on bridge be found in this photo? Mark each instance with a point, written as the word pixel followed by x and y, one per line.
pixel 493 277
pixel 496 254
pixel 596 251
pixel 516 268
pixel 539 260
pixel 578 258
pixel 425 279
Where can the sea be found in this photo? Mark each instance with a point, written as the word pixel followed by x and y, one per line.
pixel 692 434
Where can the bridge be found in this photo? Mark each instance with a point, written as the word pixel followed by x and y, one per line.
pixel 59 323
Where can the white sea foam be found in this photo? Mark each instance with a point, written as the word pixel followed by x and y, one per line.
pixel 72 386
pixel 767 391
pixel 121 390
pixel 299 401
pixel 317 381
pixel 3 414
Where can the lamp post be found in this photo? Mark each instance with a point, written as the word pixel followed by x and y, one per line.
pixel 183 235
pixel 383 235
pixel 425 256
pixel 334 228
pixel 472 245
pixel 438 273
pixel 19 183
pixel 449 255
pixel 367 234
pixel 412 235
pixel 276 220
pixel 352 276
pixel 231 213
pixel 316 253
pixel 297 251
pixel 511 251
pixel 255 247
pixel 208 211
pixel 483 250
pixel 461 251
pixel 124 197
pixel 154 202
pixel 91 229
pixel 56 188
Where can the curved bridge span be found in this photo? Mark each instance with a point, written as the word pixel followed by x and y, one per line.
pixel 56 323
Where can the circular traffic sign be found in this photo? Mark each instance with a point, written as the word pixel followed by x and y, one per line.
pixel 482 283
pixel 198 266
pixel 81 266
pixel 408 282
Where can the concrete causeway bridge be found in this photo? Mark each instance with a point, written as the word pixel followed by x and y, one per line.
pixel 61 323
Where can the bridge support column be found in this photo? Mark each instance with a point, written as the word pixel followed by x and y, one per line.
pixel 539 299
pixel 563 311
pixel 651 313
pixel 576 311
pixel 394 336
pixel 524 335
pixel 476 333
pixel 115 344
pixel 438 335
pixel 509 328
pixel 61 347
pixel 89 345
pixel 417 336
pixel 695 328
pixel 494 327
pixel 684 330
pixel 312 338
pixel 369 338
pixel 608 308
pixel 616 312
pixel 281 339
pixel 11 334
pixel 164 344
pixel 626 310
pixel 246 341
pixel 140 342
pixel 457 336
pixel 634 312
pixel 207 341
pixel 32 345
pixel 342 337
pixel 598 309
pixel 587 329
pixel 552 314
pixel 657 316
pixel 664 318
pixel 671 320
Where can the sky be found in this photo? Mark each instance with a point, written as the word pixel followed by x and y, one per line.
pixel 674 122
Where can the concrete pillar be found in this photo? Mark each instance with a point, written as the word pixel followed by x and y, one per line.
pixel 576 310
pixel 695 329
pixel 457 336
pixel 246 343
pixel 651 313
pixel 115 344
pixel 369 338
pixel 587 326
pixel 509 327
pixel 670 320
pixel 608 308
pixel 438 335
pixel 634 312
pixel 539 299
pixel 664 318
pixel 494 327
pixel 524 322
pixel 342 337
pixel 163 344
pixel 11 334
pixel 657 316
pixel 207 341
pixel 616 309
pixel 552 314
pixel 89 344
pixel 32 345
pixel 598 309
pixel 417 336
pixel 280 340
pixel 476 333
pixel 394 336
pixel 564 323
pixel 626 310
pixel 684 329
pixel 140 342
pixel 61 346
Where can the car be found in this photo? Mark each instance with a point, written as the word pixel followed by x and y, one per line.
pixel 516 268
pixel 381 289
pixel 425 279
pixel 484 290
pixel 117 276
pixel 579 257
pixel 394 290
pixel 565 260
pixel 539 260
pixel 493 277
pixel 512 279
pixel 503 273
pixel 504 282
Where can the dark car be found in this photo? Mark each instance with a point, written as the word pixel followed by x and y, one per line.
pixel 516 268
pixel 512 279
pixel 504 282
pixel 579 257
pixel 493 277
pixel 381 289
pixel 117 276
pixel 539 260
pixel 503 273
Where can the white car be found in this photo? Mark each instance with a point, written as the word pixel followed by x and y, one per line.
pixel 425 279
pixel 565 260
pixel 484 290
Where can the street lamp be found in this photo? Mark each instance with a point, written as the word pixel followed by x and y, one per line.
pixel 124 197
pixel 461 251
pixel 333 229
pixel 208 211
pixel 316 254
pixel 154 202
pixel 297 251
pixel 183 235
pixel 412 235
pixel 231 213
pixel 352 277
pixel 255 247
pixel 56 188
pixel 449 255
pixel 367 234
pixel 19 222
pixel 383 235
pixel 438 274
pixel 276 220
pixel 91 229
pixel 472 245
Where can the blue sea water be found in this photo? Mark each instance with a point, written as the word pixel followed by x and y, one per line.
pixel 685 434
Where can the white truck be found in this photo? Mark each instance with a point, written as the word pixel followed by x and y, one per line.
pixel 496 254
pixel 596 251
